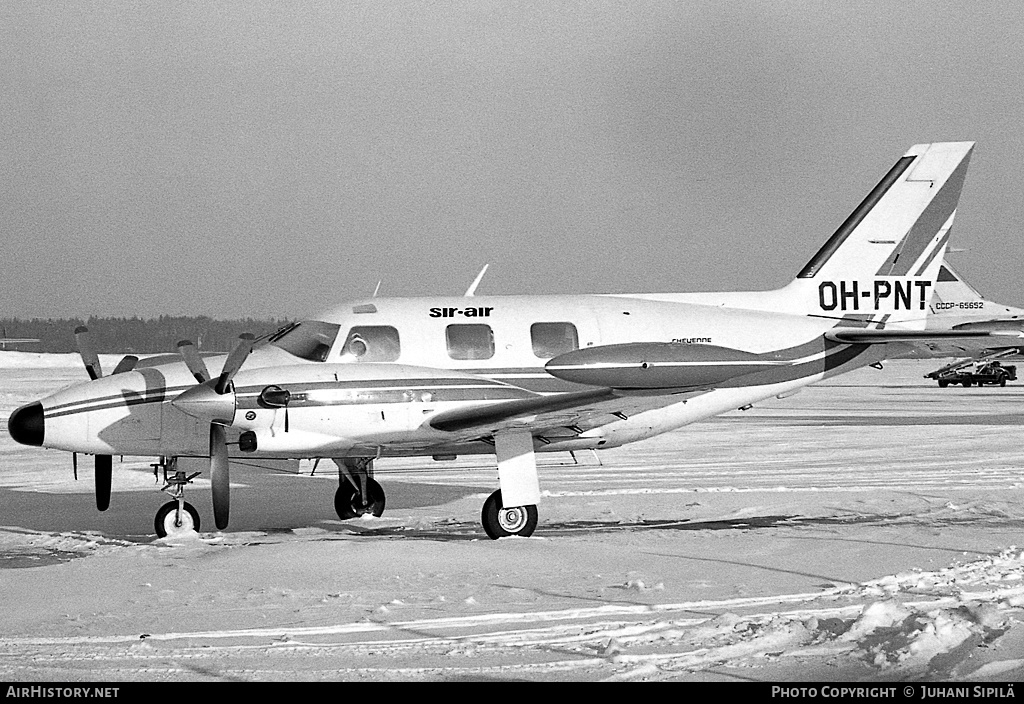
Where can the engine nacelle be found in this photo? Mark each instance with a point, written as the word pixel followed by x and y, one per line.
pixel 658 365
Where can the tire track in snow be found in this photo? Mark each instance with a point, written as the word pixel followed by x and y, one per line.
pixel 997 580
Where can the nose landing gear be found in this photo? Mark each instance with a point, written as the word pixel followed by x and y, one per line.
pixel 178 516
pixel 358 493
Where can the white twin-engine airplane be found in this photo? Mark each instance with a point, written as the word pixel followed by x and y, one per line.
pixel 517 375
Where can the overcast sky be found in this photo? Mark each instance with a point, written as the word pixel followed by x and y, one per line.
pixel 274 158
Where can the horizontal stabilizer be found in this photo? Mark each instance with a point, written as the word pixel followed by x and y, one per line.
pixel 982 338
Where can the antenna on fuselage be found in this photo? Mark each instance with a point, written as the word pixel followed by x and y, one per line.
pixel 476 282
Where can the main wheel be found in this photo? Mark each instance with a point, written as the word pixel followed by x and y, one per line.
pixel 501 522
pixel 170 522
pixel 347 504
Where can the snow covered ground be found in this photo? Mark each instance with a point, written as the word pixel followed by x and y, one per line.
pixel 865 529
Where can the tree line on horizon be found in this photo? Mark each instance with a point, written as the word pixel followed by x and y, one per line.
pixel 133 335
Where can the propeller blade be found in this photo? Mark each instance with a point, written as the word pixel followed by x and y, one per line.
pixel 126 364
pixel 89 356
pixel 194 361
pixel 219 475
pixel 103 470
pixel 234 362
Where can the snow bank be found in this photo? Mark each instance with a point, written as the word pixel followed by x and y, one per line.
pixel 41 360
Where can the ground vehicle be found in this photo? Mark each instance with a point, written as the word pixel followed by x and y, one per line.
pixel 980 373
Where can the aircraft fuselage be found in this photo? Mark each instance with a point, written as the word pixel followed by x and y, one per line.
pixel 365 378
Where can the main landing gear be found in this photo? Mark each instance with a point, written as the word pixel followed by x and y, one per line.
pixel 358 494
pixel 178 516
pixel 520 487
pixel 501 522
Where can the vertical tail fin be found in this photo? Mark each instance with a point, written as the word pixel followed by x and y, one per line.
pixel 881 264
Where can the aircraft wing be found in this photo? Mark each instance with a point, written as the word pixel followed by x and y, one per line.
pixel 580 410
pixel 594 407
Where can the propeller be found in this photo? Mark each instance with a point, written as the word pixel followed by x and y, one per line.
pixel 88 352
pixel 92 360
pixel 213 400
pixel 126 364
pixel 220 481
pixel 234 362
pixel 193 361
pixel 104 463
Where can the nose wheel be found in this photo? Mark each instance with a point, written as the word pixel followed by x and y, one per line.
pixel 178 516
pixel 349 503
pixel 175 518
pixel 358 494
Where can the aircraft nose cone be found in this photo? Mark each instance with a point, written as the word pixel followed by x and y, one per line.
pixel 26 424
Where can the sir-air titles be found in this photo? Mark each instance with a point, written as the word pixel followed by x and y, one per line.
pixel 471 312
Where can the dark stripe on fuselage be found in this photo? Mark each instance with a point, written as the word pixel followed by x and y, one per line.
pixel 124 398
pixel 424 394
pixel 371 391
pixel 147 396
pixel 121 402
pixel 158 394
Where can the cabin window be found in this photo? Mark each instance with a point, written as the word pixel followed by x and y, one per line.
pixel 310 339
pixel 372 343
pixel 470 341
pixel 552 339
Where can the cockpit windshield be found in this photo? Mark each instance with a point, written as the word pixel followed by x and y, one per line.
pixel 310 339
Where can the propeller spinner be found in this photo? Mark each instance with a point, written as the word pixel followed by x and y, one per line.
pixel 213 400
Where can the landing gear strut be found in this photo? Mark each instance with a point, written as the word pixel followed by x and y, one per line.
pixel 358 494
pixel 177 516
pixel 517 477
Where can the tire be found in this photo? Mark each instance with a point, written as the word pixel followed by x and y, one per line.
pixel 164 524
pixel 1002 382
pixel 501 522
pixel 966 383
pixel 943 384
pixel 347 505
